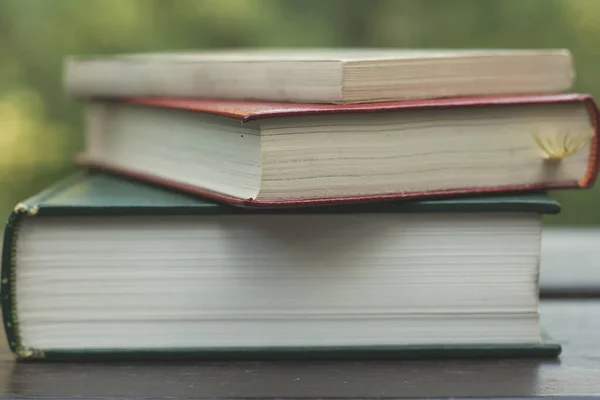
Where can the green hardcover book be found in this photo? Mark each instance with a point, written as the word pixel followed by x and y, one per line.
pixel 102 267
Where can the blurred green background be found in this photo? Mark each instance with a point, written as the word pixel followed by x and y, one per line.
pixel 41 129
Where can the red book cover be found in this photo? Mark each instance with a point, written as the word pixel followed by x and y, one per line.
pixel 247 111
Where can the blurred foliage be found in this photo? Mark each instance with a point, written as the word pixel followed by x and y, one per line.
pixel 41 129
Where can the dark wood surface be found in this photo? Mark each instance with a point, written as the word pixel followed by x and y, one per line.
pixel 574 323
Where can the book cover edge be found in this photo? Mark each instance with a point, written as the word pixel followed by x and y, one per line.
pixel 255 110
pixel 544 349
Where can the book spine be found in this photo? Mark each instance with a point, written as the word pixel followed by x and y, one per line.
pixel 10 319
pixel 594 161
pixel 7 287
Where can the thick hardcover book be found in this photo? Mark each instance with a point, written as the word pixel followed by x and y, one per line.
pixel 101 267
pixel 322 75
pixel 258 154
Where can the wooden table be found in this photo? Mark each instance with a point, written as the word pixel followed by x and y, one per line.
pixel 575 323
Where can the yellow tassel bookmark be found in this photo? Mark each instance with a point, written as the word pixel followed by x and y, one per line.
pixel 561 144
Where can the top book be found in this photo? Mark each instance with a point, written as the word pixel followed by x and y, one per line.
pixel 321 75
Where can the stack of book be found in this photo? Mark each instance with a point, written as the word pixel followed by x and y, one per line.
pixel 323 203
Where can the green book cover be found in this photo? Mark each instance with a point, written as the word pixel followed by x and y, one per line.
pixel 95 194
